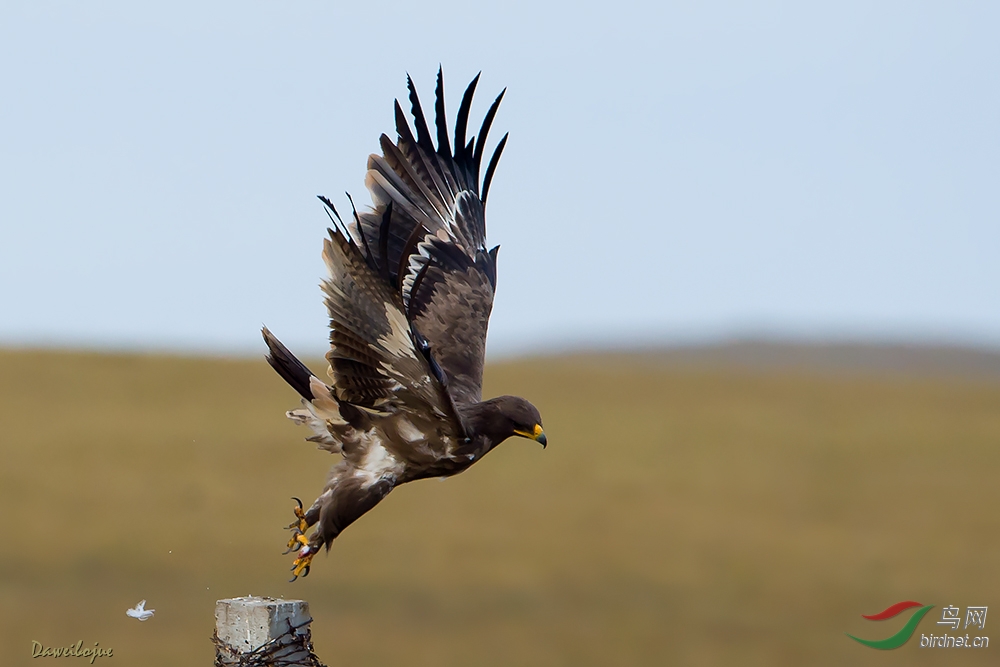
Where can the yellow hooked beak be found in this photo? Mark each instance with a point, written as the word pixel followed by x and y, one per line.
pixel 538 435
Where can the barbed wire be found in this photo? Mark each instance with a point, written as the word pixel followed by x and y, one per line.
pixel 290 649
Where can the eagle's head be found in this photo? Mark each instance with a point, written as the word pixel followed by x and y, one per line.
pixel 505 416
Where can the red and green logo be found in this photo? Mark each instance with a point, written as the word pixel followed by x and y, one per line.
pixel 901 637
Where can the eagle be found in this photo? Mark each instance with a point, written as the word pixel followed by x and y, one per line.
pixel 409 295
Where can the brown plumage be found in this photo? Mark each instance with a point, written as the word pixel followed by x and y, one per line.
pixel 409 294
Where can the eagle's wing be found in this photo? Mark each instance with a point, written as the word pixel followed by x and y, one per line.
pixel 374 363
pixel 426 238
pixel 375 366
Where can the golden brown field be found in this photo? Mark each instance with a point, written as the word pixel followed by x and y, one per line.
pixel 691 515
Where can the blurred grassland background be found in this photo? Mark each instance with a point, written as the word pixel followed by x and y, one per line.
pixel 685 512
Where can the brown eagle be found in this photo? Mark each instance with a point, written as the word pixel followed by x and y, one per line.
pixel 409 294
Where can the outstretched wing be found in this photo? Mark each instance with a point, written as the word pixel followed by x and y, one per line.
pixel 426 237
pixel 374 363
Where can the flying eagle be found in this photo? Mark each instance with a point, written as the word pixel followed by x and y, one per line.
pixel 409 294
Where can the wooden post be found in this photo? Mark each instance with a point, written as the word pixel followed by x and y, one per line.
pixel 263 632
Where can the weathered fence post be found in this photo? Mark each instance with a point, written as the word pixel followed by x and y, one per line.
pixel 263 632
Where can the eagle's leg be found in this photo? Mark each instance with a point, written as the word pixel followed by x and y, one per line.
pixel 349 494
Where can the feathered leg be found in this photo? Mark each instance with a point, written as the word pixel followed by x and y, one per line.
pixel 356 484
pixel 349 494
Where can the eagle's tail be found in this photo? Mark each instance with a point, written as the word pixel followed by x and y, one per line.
pixel 321 411
pixel 288 366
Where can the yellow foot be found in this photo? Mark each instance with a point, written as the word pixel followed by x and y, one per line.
pixel 301 565
pixel 298 528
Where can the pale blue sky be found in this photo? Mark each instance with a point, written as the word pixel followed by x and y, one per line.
pixel 673 172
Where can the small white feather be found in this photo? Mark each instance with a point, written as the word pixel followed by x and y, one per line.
pixel 140 612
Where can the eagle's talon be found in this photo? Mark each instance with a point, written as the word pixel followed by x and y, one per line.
pixel 303 563
pixel 300 524
pixel 298 528
pixel 297 541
